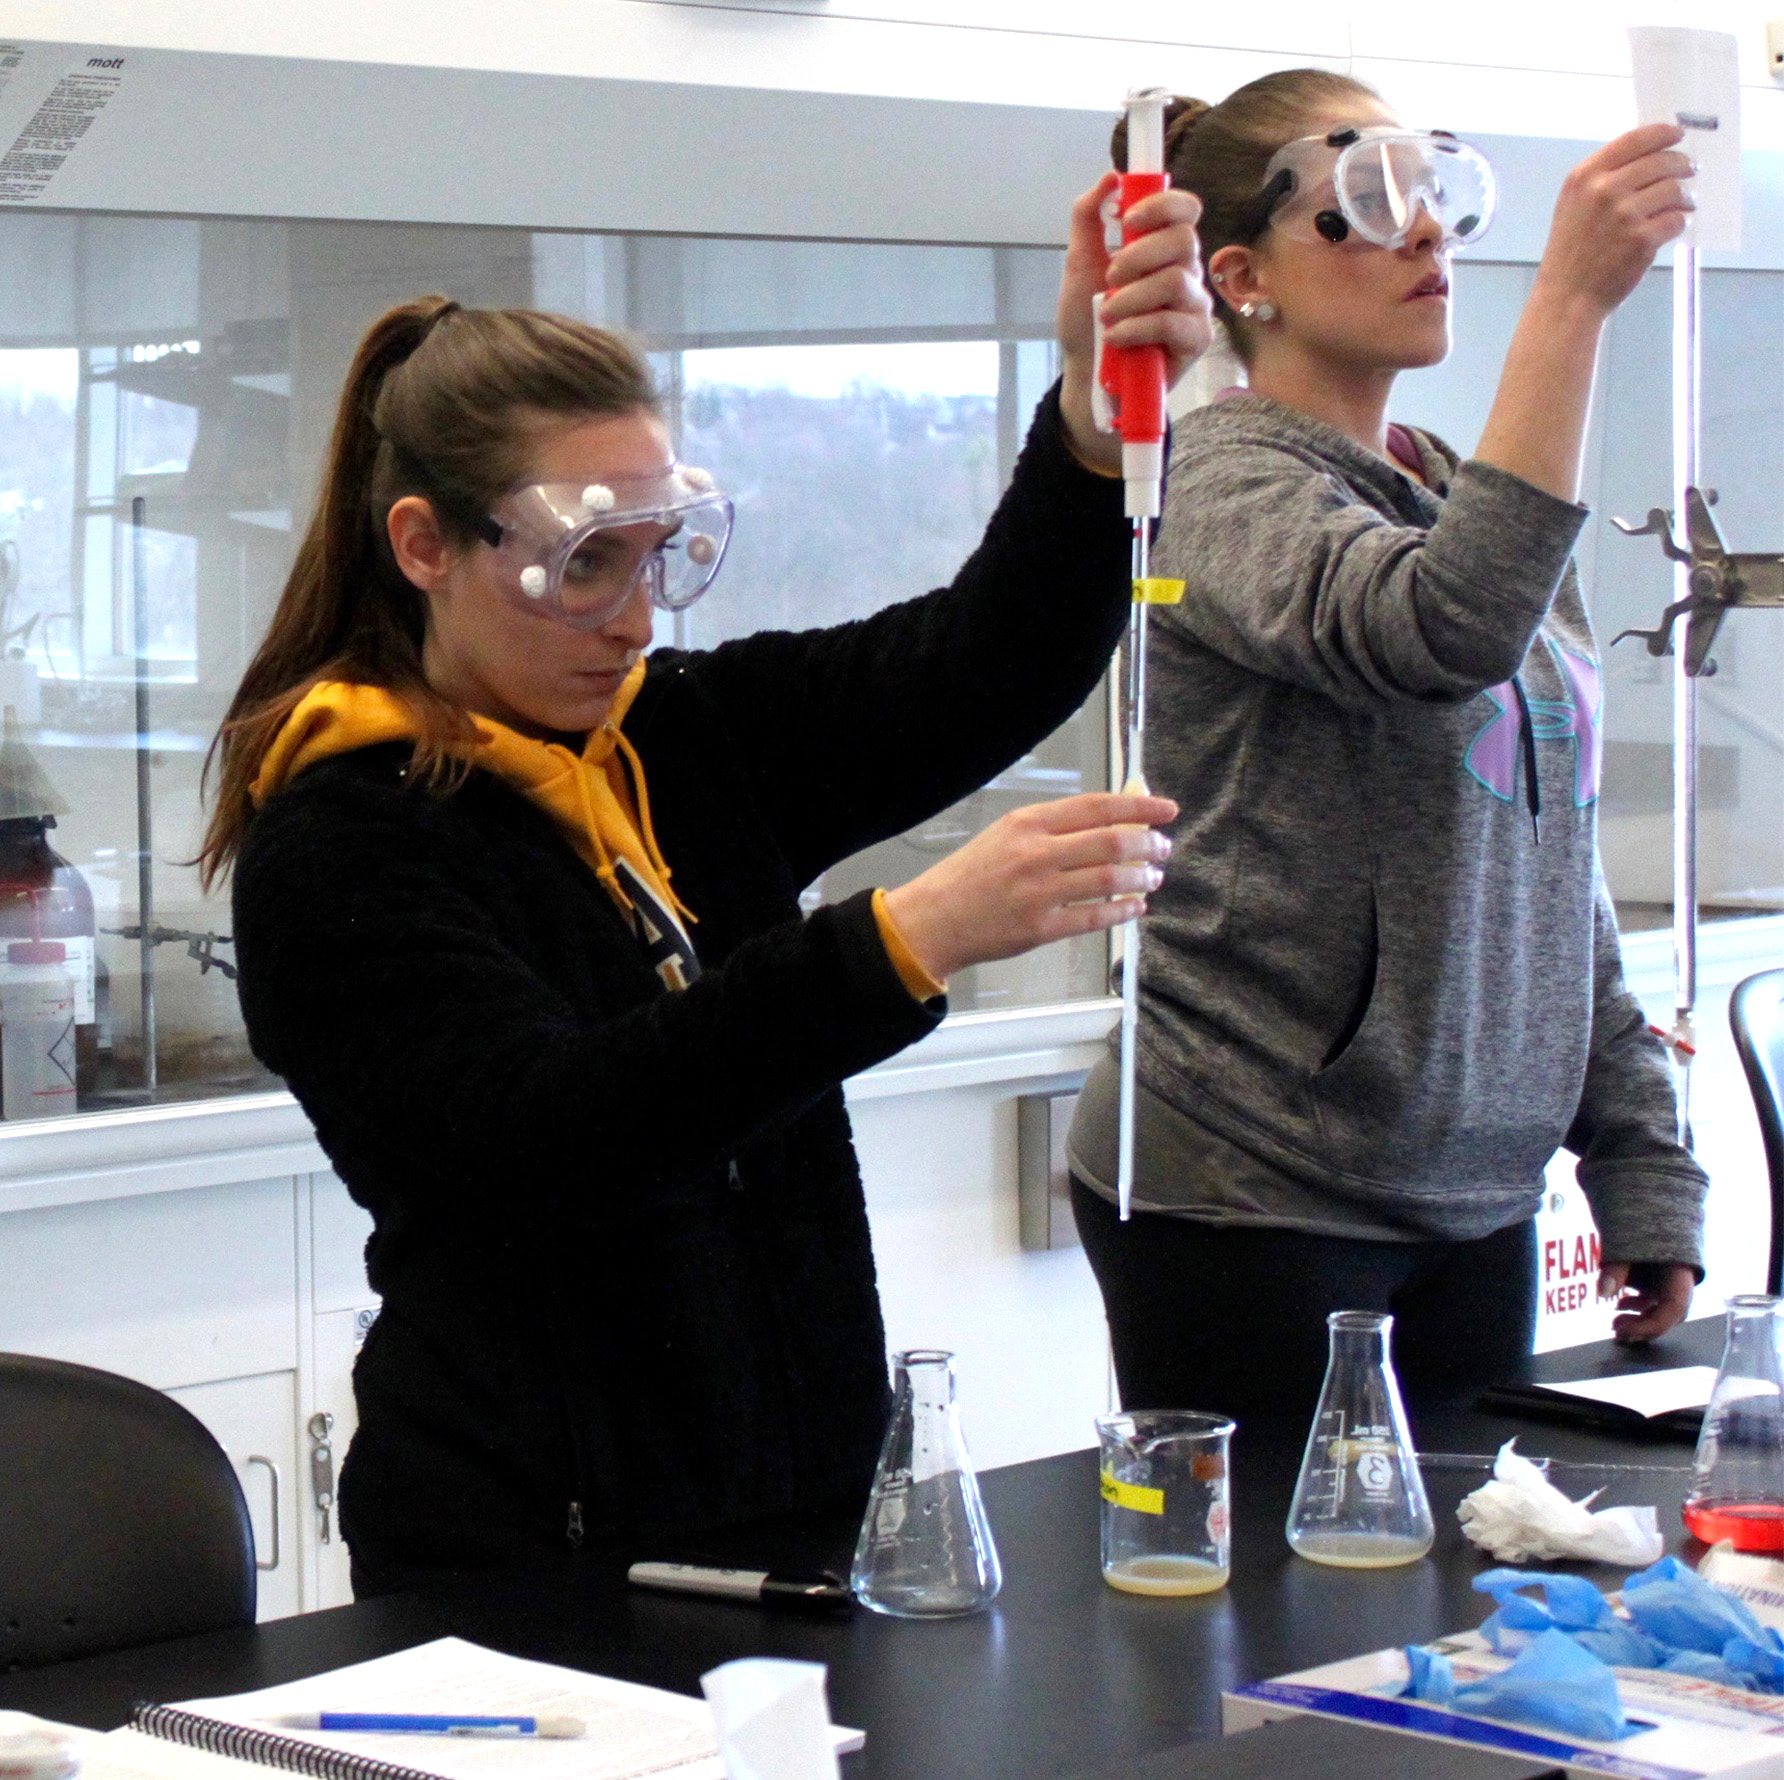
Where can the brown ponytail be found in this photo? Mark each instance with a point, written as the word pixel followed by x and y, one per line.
pixel 1219 152
pixel 442 402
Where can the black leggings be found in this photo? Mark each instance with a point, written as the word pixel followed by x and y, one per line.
pixel 1234 1319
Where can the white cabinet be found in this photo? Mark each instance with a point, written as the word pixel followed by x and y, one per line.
pixel 196 1294
pixel 170 1288
pixel 243 1299
pixel 255 1422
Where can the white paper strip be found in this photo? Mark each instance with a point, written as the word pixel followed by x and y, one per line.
pixel 1692 78
pixel 1648 1393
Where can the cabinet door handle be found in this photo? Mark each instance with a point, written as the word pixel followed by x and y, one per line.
pixel 272 1471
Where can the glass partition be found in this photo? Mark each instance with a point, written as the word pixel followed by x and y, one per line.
pixel 166 387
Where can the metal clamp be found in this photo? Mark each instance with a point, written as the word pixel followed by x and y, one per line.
pixel 1719 581
pixel 322 1483
pixel 255 1458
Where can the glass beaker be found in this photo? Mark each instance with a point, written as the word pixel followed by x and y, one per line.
pixel 925 1549
pixel 1360 1502
pixel 1167 1502
pixel 1737 1484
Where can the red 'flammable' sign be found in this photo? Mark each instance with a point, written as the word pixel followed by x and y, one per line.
pixel 1569 1271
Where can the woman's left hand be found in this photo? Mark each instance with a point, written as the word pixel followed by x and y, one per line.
pixel 1651 1296
pixel 1156 298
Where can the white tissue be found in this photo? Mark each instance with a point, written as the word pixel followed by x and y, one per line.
pixel 773 1719
pixel 35 1749
pixel 1521 1515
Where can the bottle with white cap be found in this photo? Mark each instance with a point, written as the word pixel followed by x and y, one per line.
pixel 37 1012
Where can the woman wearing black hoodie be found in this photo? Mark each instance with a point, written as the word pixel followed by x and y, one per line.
pixel 517 916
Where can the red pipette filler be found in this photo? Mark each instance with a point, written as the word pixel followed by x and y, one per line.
pixel 1129 398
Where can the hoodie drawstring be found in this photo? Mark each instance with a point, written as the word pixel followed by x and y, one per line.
pixel 592 827
pixel 641 797
pixel 1527 736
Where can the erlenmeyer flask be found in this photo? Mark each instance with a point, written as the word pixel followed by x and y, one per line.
pixel 1360 1502
pixel 1737 1484
pixel 925 1549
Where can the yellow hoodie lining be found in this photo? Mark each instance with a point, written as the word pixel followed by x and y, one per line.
pixel 590 796
pixel 598 798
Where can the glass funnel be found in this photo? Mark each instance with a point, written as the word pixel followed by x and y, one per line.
pixel 925 1550
pixel 1360 1502
pixel 1737 1483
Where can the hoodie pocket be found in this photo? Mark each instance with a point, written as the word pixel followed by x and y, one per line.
pixel 1351 1032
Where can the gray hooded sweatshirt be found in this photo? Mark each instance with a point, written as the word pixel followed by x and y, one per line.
pixel 1363 969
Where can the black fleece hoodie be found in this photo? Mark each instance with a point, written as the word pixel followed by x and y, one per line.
pixel 620 1235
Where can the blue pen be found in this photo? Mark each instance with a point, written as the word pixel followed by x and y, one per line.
pixel 430 1724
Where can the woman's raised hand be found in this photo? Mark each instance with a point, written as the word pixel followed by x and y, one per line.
pixel 1156 298
pixel 1041 873
pixel 1617 209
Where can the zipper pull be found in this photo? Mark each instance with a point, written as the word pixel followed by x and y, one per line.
pixel 735 1175
pixel 573 1532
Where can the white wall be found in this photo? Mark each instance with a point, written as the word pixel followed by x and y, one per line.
pixel 1519 68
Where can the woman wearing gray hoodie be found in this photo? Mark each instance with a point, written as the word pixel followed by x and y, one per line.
pixel 1380 984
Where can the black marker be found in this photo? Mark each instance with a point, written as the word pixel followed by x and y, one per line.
pixel 823 1593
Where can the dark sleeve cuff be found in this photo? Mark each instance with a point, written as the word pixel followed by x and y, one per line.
pixel 1647 1211
pixel 895 1017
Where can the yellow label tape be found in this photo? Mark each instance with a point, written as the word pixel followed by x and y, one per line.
pixel 1155 590
pixel 1132 1495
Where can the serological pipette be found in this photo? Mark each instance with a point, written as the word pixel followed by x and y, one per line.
pixel 1129 397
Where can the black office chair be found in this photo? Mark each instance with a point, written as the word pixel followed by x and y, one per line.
pixel 1756 1012
pixel 121 1519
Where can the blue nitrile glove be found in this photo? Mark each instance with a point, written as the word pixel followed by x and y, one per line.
pixel 1761 1666
pixel 1573 1606
pixel 1702 1667
pixel 1554 1685
pixel 1677 1608
pixel 1431 1679
pixel 1570 1602
pixel 1622 1646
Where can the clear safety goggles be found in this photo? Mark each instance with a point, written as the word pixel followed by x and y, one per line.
pixel 1376 181
pixel 580 550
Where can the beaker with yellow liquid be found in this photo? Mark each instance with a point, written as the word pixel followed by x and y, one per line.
pixel 1167 1501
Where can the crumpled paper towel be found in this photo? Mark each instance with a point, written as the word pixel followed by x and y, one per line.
pixel 1520 1515
pixel 773 1719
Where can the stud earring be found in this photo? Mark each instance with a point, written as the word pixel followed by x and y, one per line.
pixel 1217 278
pixel 1264 311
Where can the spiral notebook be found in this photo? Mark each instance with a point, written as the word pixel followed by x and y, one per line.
pixel 632 1730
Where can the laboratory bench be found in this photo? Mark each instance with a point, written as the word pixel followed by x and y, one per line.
pixel 1060 1676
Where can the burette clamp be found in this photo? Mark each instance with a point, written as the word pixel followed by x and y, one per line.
pixel 1718 580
